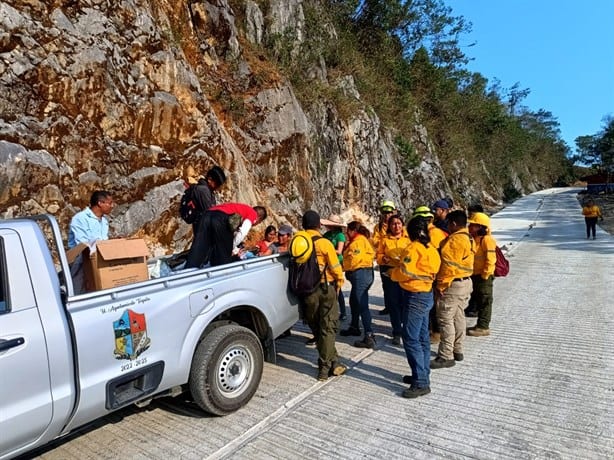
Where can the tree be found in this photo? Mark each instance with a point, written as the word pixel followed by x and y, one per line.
pixel 597 150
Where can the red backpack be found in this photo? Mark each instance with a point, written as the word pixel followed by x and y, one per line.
pixel 502 265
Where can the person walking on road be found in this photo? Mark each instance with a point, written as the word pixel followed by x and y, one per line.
pixel 419 264
pixel 388 257
pixel 320 307
pixel 358 257
pixel 591 213
pixel 483 276
pixel 454 288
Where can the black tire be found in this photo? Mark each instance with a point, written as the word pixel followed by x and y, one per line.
pixel 226 369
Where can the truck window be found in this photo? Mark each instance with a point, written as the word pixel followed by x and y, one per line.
pixel 3 282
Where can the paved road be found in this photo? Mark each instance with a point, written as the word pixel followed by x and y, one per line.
pixel 541 386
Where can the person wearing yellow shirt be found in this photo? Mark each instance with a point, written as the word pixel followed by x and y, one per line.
pixel 591 213
pixel 453 288
pixel 320 307
pixel 388 256
pixel 419 264
pixel 358 256
pixel 387 209
pixel 483 276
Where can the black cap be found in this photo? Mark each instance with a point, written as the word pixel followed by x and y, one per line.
pixel 217 174
pixel 311 220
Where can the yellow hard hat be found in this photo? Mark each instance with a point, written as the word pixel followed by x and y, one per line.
pixel 387 205
pixel 479 218
pixel 301 246
pixel 422 211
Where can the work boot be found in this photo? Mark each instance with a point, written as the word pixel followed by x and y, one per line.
pixel 458 357
pixel 478 332
pixel 367 342
pixel 336 369
pixel 396 340
pixel 434 337
pixel 350 331
pixel 323 373
pixel 440 363
pixel 414 392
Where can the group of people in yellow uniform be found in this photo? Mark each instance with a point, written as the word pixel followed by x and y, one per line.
pixel 440 257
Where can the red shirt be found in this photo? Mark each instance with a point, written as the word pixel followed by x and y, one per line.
pixel 245 211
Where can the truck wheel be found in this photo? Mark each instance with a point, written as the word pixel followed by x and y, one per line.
pixel 226 369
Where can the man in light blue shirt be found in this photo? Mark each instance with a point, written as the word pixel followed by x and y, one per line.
pixel 91 224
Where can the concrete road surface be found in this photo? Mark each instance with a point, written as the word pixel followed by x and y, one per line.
pixel 540 387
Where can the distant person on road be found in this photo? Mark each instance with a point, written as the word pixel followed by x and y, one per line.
pixel 389 252
pixel 419 264
pixel 91 224
pixel 591 213
pixel 224 227
pixel 320 307
pixel 453 290
pixel 358 257
pixel 483 276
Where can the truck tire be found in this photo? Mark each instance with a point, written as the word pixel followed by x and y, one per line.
pixel 226 369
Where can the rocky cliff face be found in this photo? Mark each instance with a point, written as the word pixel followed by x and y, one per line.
pixel 138 96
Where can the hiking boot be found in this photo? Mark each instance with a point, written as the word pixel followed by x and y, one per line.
pixel 435 337
pixel 440 363
pixel 478 332
pixel 367 342
pixel 396 340
pixel 385 311
pixel 323 373
pixel 311 341
pixel 337 369
pixel 458 357
pixel 414 392
pixel 351 331
pixel 408 379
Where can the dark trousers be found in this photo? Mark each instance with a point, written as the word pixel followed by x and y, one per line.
pixel 341 302
pixel 591 226
pixel 433 321
pixel 322 315
pixel 481 299
pixel 392 301
pixel 212 241
pixel 414 313
pixel 361 281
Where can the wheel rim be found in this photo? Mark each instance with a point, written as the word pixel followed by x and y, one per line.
pixel 234 371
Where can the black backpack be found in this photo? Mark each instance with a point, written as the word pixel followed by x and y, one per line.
pixel 304 278
pixel 187 208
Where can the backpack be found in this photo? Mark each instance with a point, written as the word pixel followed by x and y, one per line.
pixel 502 265
pixel 187 207
pixel 304 276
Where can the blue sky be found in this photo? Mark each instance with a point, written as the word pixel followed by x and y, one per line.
pixel 563 51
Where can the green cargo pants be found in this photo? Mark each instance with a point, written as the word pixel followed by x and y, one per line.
pixel 322 315
pixel 481 298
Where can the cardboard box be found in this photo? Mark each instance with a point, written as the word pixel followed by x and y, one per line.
pixel 112 263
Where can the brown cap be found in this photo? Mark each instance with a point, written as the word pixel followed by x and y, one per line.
pixel 333 221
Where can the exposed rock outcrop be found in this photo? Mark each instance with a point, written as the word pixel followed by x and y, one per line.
pixel 135 95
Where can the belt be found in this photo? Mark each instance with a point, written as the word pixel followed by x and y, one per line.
pixel 462 279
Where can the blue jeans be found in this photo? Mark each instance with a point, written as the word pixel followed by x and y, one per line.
pixel 392 301
pixel 361 281
pixel 415 318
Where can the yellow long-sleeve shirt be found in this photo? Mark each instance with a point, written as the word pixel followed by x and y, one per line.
pixel 390 249
pixel 591 211
pixel 358 253
pixel 437 235
pixel 456 258
pixel 418 268
pixel 485 256
pixel 379 232
pixel 327 257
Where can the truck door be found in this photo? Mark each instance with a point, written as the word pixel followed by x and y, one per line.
pixel 25 393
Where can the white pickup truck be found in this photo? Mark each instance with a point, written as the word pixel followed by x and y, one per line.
pixel 68 359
